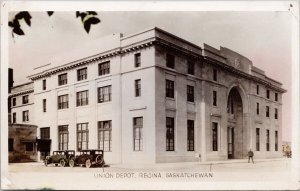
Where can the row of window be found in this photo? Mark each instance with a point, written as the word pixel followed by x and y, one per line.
pixel 267 140
pixel 267 111
pixel 267 93
pixel 25 116
pixel 25 100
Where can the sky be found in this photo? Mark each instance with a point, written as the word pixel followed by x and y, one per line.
pixel 263 37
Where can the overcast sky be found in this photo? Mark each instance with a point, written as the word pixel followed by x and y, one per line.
pixel 263 37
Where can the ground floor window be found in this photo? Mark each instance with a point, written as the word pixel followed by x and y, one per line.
pixel 257 139
pixel 214 136
pixel 170 134
pixel 10 144
pixel 63 137
pixel 190 135
pixel 268 140
pixel 104 135
pixel 138 133
pixel 82 136
pixel 276 140
pixel 29 146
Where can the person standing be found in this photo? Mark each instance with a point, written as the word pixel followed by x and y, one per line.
pixel 250 155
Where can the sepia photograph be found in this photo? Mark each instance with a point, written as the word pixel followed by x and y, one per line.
pixel 150 95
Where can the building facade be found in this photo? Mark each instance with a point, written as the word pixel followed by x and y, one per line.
pixel 153 97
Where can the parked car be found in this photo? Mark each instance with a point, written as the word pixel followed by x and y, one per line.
pixel 60 157
pixel 88 158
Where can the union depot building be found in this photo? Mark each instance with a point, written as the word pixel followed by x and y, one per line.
pixel 152 97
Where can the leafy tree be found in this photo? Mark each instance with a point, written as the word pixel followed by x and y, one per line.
pixel 88 18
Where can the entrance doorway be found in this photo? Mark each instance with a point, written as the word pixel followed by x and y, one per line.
pixel 230 133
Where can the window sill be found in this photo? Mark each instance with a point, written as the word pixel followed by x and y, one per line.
pixel 169 98
pixel 192 103
pixel 104 103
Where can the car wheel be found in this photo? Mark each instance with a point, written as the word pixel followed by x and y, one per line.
pixel 62 162
pixel 100 160
pixel 46 162
pixel 88 163
pixel 71 163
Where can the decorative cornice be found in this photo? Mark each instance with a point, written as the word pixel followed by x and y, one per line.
pixel 21 93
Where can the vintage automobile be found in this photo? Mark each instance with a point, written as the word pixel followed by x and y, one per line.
pixel 88 158
pixel 60 157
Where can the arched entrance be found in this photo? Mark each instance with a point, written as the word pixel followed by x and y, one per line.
pixel 235 124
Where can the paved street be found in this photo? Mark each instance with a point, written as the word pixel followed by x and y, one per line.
pixel 170 175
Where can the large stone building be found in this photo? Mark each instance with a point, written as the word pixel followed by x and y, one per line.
pixel 153 97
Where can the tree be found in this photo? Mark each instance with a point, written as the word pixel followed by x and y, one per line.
pixel 88 18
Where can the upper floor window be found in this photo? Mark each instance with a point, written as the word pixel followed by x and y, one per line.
pixel 137 84
pixel 215 74
pixel 44 85
pixel 190 93
pixel 62 79
pixel 104 94
pixel 25 99
pixel 257 108
pixel 214 98
pixel 276 113
pixel 44 105
pixel 276 96
pixel 82 98
pixel 191 68
pixel 268 94
pixel 104 68
pixel 82 74
pixel 170 61
pixel 14 101
pixel 257 89
pixel 26 115
pixel 169 88
pixel 138 133
pixel 137 60
pixel 267 111
pixel 63 101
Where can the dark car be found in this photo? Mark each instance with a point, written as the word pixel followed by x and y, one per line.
pixel 60 157
pixel 88 158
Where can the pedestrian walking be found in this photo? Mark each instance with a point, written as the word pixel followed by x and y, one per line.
pixel 250 155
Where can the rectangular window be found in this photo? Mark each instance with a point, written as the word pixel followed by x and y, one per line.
pixel 26 115
pixel 170 134
pixel 138 133
pixel 268 140
pixel 63 137
pixel 267 111
pixel 63 101
pixel 45 132
pixel 257 139
pixel 268 94
pixel 10 144
pixel 276 140
pixel 104 135
pixel 14 101
pixel 137 60
pixel 29 146
pixel 215 74
pixel 190 93
pixel 25 99
pixel 170 61
pixel 82 98
pixel 214 98
pixel 104 94
pixel 104 68
pixel 14 117
pixel 257 89
pixel 82 74
pixel 190 135
pixel 44 85
pixel 257 108
pixel 169 88
pixel 276 96
pixel 276 113
pixel 62 79
pixel 82 136
pixel 44 105
pixel 214 136
pixel 137 86
pixel 191 67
